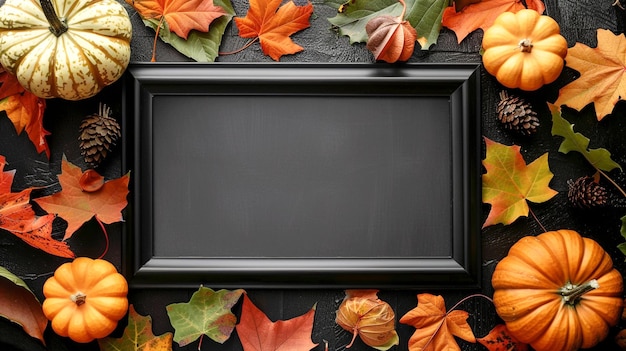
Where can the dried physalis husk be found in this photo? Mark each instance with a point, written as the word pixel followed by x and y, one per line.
pixel 363 313
pixel 391 39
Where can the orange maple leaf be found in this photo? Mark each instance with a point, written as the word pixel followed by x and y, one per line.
pixel 602 80
pixel 273 26
pixel 482 14
pixel 509 182
pixel 77 205
pixel 436 328
pixel 25 110
pixel 258 333
pixel 182 16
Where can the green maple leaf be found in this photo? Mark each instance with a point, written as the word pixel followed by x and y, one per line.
pixel 509 182
pixel 424 15
pixel 137 336
pixel 207 313
pixel 599 158
pixel 200 46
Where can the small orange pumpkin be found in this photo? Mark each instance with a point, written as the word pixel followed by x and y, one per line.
pixel 558 291
pixel 85 299
pixel 524 50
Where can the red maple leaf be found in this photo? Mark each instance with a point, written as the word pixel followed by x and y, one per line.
pixel 18 218
pixel 258 333
pixel 273 26
pixel 25 110
pixel 77 204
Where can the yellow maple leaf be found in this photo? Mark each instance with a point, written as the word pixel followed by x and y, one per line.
pixel 602 80
pixel 509 183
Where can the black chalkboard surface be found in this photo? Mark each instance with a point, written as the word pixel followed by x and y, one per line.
pixel 292 175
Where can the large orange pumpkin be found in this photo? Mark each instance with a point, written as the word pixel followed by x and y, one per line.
pixel 558 291
pixel 85 299
pixel 524 50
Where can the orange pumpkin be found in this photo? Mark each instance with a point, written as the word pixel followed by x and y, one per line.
pixel 524 50
pixel 85 299
pixel 558 291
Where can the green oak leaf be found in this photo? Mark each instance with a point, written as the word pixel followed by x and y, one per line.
pixel 199 46
pixel 424 15
pixel 138 336
pixel 599 158
pixel 207 313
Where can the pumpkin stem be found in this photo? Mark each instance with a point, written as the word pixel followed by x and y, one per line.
pixel 572 293
pixel 57 27
pixel 525 45
pixel 78 298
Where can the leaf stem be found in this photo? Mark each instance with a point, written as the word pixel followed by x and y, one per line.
pixel 611 181
pixel 200 342
pixel 247 45
pixel 106 237
pixel 537 219
pixel 467 298
pixel 156 37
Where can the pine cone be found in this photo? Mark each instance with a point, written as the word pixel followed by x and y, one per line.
pixel 517 115
pixel 98 134
pixel 585 192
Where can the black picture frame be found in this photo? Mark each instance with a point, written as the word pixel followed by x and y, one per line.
pixel 159 97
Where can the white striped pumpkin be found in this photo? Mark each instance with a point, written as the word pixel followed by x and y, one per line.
pixel 91 53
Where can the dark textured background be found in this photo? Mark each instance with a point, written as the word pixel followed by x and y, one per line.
pixel 579 21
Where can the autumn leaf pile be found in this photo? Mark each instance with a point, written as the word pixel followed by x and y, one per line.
pixel 208 314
